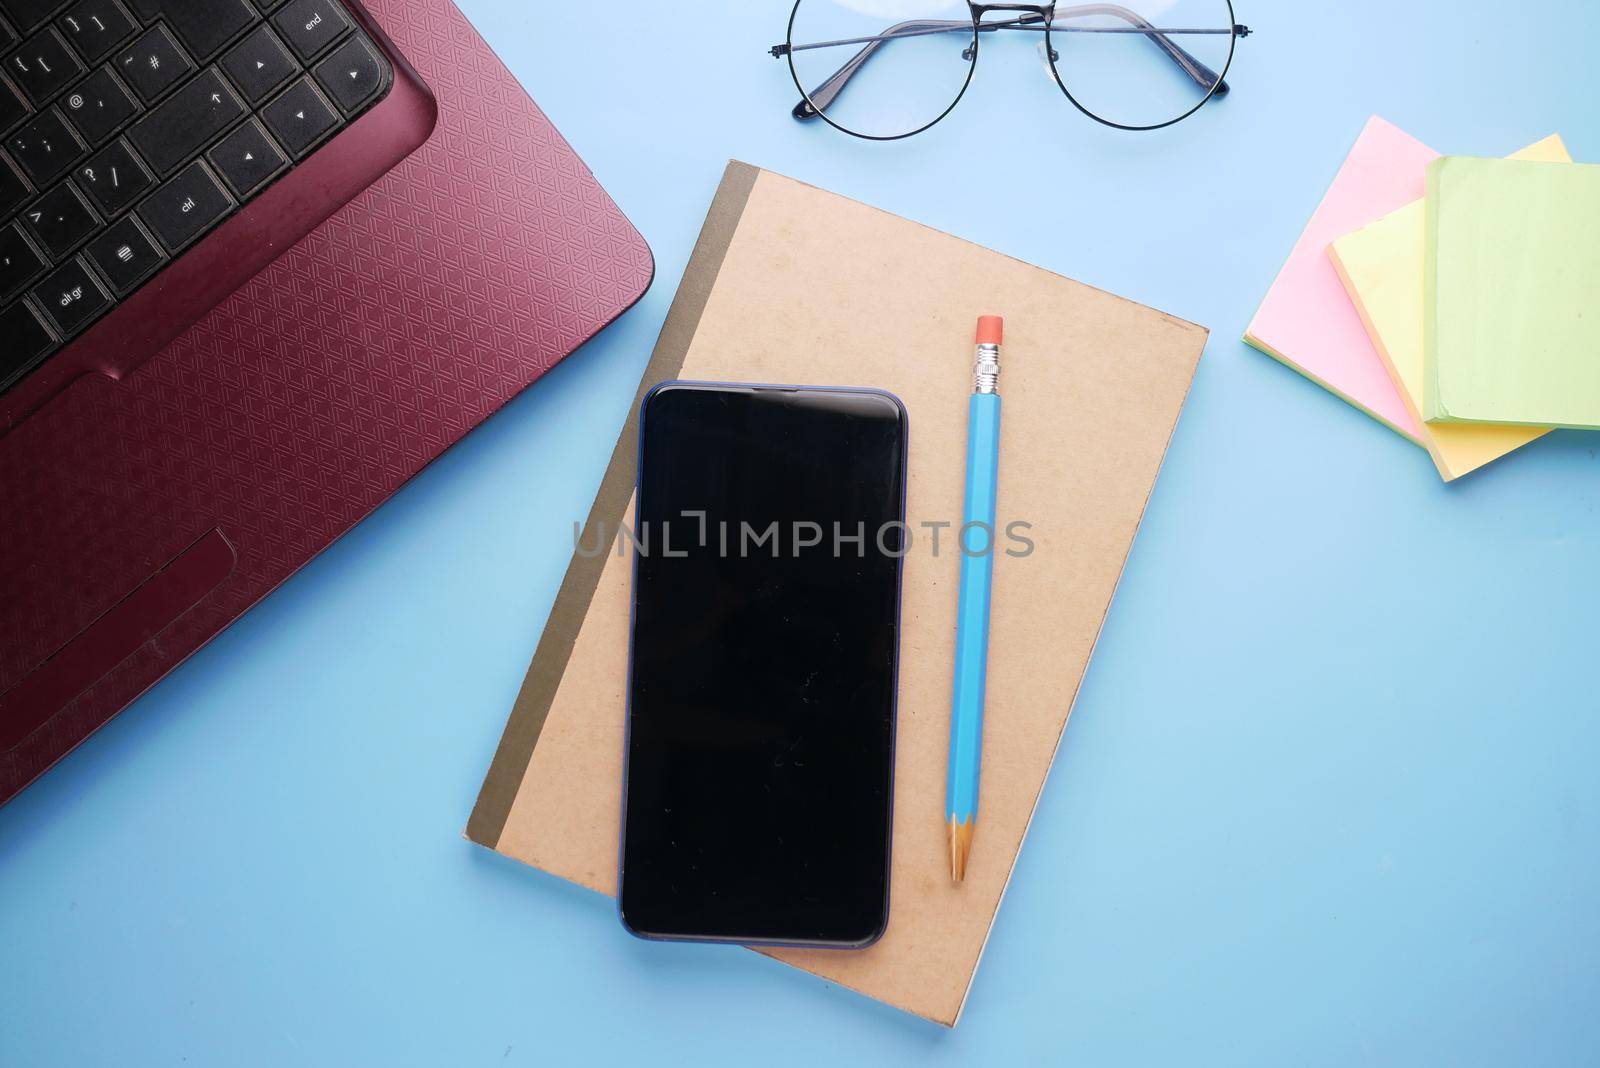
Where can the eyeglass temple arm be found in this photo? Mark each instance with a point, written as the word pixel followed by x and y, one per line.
pixel 824 94
pixel 1202 75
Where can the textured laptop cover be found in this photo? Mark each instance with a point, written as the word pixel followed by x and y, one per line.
pixel 792 284
pixel 220 467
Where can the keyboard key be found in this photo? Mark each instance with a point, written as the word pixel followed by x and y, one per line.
pixel 12 108
pixel 27 339
pixel 99 105
pixel 300 117
pixel 186 207
pixel 114 178
pixel 248 158
pixel 45 147
pixel 13 190
pixel 43 67
pixel 352 75
pixel 154 64
pixel 179 128
pixel 8 36
pixel 259 64
pixel 311 25
pixel 71 297
pixel 126 255
pixel 60 220
pixel 20 262
pixel 28 15
pixel 96 27
pixel 203 25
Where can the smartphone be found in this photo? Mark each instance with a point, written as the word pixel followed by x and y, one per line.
pixel 768 537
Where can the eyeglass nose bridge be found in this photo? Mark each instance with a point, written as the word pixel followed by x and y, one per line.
pixel 979 10
pixel 1044 11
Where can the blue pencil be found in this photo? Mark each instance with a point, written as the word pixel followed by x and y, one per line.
pixel 972 614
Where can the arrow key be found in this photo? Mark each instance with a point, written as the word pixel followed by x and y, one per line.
pixel 248 158
pixel 259 64
pixel 353 75
pixel 300 118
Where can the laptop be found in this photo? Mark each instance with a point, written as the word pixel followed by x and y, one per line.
pixel 261 261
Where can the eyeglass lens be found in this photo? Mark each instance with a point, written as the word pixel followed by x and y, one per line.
pixel 889 68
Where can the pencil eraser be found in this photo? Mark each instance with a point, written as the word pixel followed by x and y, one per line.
pixel 991 330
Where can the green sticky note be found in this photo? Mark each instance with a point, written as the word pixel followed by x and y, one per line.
pixel 1512 293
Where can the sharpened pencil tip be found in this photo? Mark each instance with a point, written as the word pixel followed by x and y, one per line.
pixel 960 846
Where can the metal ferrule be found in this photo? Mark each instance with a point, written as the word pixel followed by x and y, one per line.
pixel 986 372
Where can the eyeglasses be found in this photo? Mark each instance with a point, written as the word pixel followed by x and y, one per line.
pixel 1116 66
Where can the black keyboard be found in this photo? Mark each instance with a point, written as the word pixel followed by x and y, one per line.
pixel 129 129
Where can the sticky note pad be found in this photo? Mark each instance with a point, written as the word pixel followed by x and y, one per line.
pixel 1511 284
pixel 1307 320
pixel 1381 266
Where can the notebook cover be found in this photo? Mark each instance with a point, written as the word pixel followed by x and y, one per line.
pixel 1306 320
pixel 792 284
pixel 1511 278
pixel 1381 266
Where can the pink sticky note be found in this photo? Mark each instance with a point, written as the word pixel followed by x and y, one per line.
pixel 1307 319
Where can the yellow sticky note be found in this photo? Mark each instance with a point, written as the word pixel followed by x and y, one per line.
pixel 1381 267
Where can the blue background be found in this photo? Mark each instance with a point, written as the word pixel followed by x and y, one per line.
pixel 1329 792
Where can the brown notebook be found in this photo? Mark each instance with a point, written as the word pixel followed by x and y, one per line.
pixel 790 284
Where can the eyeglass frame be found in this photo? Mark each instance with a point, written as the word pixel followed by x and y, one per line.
pixel 1046 13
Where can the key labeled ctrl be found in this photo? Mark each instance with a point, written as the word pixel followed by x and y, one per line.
pixel 185 207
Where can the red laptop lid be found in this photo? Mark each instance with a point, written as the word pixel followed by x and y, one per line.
pixel 140 516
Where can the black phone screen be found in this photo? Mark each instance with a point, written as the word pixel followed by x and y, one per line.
pixel 768 535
